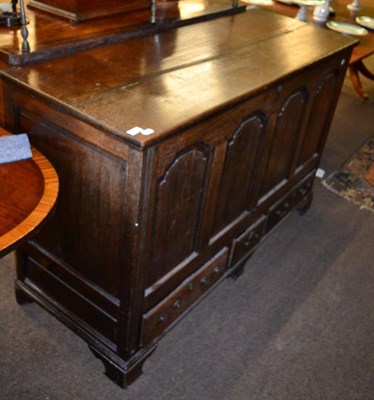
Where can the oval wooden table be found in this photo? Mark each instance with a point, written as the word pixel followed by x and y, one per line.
pixel 28 194
pixel 362 51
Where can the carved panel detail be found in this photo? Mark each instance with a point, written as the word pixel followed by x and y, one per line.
pixel 319 117
pixel 239 171
pixel 287 127
pixel 178 205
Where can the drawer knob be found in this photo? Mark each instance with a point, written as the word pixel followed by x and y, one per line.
pixel 250 237
pixel 176 304
pixel 216 271
pixel 204 281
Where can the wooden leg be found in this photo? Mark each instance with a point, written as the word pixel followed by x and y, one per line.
pixel 121 376
pixel 354 70
pixel 304 206
pixel 364 71
pixel 238 270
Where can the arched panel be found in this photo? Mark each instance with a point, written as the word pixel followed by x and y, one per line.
pixel 179 197
pixel 319 118
pixel 238 172
pixel 288 124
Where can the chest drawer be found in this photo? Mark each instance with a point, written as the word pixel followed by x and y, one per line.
pixel 280 210
pixel 244 243
pixel 181 299
pixel 289 202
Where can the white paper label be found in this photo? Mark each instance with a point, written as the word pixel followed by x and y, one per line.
pixel 134 131
pixel 320 173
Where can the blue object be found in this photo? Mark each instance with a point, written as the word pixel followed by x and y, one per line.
pixel 14 148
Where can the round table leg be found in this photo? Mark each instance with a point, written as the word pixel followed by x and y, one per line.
pixel 354 70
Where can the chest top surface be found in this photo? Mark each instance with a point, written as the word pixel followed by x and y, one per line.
pixel 169 80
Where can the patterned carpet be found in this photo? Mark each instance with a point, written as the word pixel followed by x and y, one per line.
pixel 355 180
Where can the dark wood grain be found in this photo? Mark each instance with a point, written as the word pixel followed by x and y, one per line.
pixel 51 36
pixel 207 70
pixel 147 225
pixel 80 10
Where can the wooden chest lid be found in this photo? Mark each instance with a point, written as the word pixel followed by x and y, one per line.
pixel 170 80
